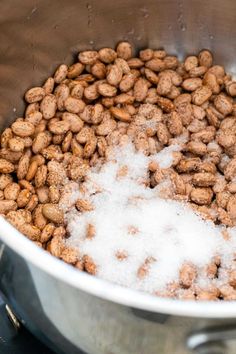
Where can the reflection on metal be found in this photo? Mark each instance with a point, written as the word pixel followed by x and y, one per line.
pixel 211 348
pixel 2 247
pixel 211 340
pixel 12 318
pixel 150 316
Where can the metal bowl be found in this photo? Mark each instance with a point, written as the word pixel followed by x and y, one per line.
pixel 65 308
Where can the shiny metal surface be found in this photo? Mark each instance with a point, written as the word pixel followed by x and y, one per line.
pixel 216 337
pixel 64 308
pixel 12 317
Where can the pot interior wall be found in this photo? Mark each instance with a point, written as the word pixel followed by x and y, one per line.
pixel 36 36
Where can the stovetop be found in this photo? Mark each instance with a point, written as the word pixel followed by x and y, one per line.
pixel 17 341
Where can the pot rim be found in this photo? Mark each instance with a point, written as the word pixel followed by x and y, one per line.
pixel 105 289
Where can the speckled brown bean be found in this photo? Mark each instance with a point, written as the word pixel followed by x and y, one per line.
pixel 43 194
pixel 33 202
pixel 88 57
pixel 62 92
pixel 107 90
pixel 38 219
pixel 187 165
pixel 32 107
pixel 99 70
pixel 230 170
pixel 127 82
pixel 164 84
pixel 60 73
pixel 197 71
pixel 205 135
pixel 170 62
pixel 197 148
pixel 231 207
pixel 34 118
pixel 174 124
pixel 151 76
pixel 49 85
pixel 91 92
pixel 165 104
pixel 74 105
pixel 6 136
pixel 210 80
pixel 7 205
pixel 124 50
pixel 42 140
pixel 90 147
pixel 48 106
pixel 140 90
pixel 120 114
pixel 74 121
pixel 23 198
pixel 114 75
pixel 60 127
pixel 124 98
pixel 31 170
pixel 54 194
pixel 23 129
pixel 12 191
pixel 201 196
pixel 89 265
pixel 187 275
pixel 162 133
pixel 34 94
pixel 6 166
pixel 41 176
pixel 205 58
pixel 223 104
pixel 47 232
pixel 53 213
pixel 69 255
pixel 5 179
pixel 222 199
pixel 203 179
pixel 231 88
pixel 218 71
pixel 23 166
pixel 155 64
pixel 190 63
pixel 77 91
pixel 146 54
pixel 107 55
pixel 75 70
pixel 201 95
pixel 192 84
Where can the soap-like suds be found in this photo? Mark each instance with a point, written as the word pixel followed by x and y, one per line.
pixel 132 218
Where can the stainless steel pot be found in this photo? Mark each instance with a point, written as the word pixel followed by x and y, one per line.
pixel 65 308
